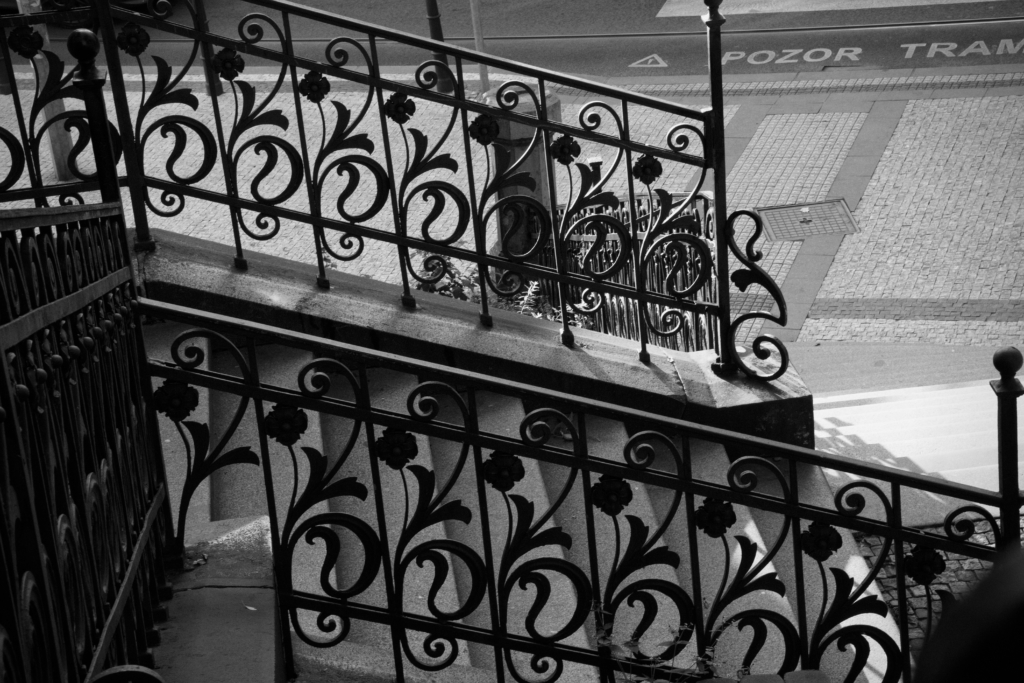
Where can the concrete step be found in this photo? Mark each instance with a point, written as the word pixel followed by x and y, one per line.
pixel 223 625
pixel 355 663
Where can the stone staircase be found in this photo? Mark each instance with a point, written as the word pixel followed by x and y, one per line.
pixel 448 333
pixel 235 496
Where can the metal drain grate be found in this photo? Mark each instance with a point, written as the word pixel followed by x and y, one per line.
pixel 800 221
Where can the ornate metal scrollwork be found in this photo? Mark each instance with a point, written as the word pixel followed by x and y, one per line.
pixel 46 117
pixel 849 602
pixel 743 278
pixel 79 490
pixel 176 400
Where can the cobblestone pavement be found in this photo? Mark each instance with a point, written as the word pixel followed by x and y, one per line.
pixel 832 86
pixel 997 310
pixel 941 239
pixel 960 576
pixel 792 158
pixel 972 333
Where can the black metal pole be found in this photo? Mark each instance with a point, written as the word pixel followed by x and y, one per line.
pixel 5 81
pixel 90 79
pixel 444 83
pixel 132 159
pixel 213 85
pixel 1008 388
pixel 716 121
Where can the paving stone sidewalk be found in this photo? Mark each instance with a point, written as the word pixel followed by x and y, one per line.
pixel 941 239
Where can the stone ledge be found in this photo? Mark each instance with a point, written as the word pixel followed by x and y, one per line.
pixel 367 313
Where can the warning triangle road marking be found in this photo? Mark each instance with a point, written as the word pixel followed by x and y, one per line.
pixel 653 60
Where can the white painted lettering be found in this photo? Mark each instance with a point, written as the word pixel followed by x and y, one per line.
pixel 1006 47
pixel 944 48
pixel 785 58
pixel 910 49
pixel 851 53
pixel 823 51
pixel 978 47
pixel 731 56
pixel 754 59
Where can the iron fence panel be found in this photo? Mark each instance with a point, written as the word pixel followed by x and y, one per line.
pixel 415 511
pixel 83 509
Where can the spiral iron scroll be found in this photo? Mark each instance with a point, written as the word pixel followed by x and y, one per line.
pixel 743 278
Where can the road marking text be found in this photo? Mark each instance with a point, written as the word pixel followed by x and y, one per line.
pixel 818 54
pixel 1006 46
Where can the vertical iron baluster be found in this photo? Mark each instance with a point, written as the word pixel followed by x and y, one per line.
pixel 1008 361
pixel 397 622
pixel 89 80
pixel 901 579
pixel 473 432
pixel 151 439
pixel 798 568
pixel 691 530
pixel 213 85
pixel 559 245
pixel 407 298
pixel 639 272
pixel 479 228
pixel 132 159
pixel 580 453
pixel 314 198
pixel 715 122
pixel 282 574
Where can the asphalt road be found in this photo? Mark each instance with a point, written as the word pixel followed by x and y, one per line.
pixel 811 50
pixel 592 37
pixel 573 35
pixel 560 17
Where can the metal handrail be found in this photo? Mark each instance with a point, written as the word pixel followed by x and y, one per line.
pixel 458 377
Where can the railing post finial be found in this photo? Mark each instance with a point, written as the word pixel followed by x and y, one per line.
pixel 1008 361
pixel 713 13
pixel 84 46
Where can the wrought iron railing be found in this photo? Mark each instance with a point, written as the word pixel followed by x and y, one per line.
pixel 325 152
pixel 40 111
pixel 557 567
pixel 84 513
pixel 83 508
pixel 619 315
